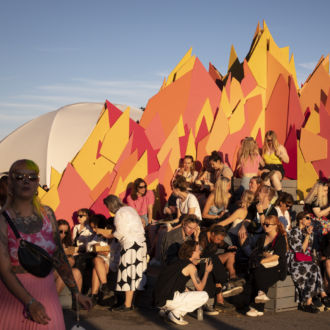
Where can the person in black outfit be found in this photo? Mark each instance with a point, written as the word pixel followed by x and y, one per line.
pixel 268 263
pixel 170 293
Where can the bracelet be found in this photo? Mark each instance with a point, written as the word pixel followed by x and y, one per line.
pixel 26 311
pixel 28 304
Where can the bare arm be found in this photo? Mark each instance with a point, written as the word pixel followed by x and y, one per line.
pixel 199 284
pixel 283 154
pixel 206 209
pixel 150 219
pixel 321 213
pixel 270 258
pixel 238 214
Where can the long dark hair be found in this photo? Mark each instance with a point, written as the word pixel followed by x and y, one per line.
pixel 136 184
pixel 67 240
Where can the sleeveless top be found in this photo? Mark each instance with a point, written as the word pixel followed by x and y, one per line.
pixel 251 165
pixel 44 239
pixel 170 281
pixel 271 159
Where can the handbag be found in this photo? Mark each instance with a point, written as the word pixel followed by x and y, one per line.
pixel 31 257
pixel 299 256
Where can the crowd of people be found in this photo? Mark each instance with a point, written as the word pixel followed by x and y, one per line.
pixel 212 242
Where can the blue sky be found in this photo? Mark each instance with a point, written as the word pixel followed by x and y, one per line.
pixel 55 53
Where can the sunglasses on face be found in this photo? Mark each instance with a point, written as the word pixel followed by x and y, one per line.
pixel 63 231
pixel 288 205
pixel 142 187
pixel 29 177
pixel 308 218
pixel 269 140
pixel 82 215
pixel 269 224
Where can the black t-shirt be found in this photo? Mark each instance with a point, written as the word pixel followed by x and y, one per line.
pixel 169 281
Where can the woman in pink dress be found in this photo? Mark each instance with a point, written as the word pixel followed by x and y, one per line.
pixel 27 301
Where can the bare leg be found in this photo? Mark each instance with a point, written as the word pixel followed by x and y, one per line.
pixel 101 269
pixel 129 298
pixel 95 282
pixel 78 278
pixel 276 180
pixel 228 259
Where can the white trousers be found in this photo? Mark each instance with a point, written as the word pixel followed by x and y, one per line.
pixel 186 302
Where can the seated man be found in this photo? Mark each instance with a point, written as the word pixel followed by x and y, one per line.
pixel 189 230
pixel 170 291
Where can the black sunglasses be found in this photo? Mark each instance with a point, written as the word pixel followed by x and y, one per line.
pixel 82 215
pixel 308 218
pixel 269 224
pixel 30 177
pixel 63 231
pixel 142 187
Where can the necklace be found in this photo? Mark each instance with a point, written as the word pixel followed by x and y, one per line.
pixel 27 224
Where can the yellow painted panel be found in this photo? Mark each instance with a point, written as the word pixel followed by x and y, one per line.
pixel 206 113
pixel 51 198
pixel 224 104
pixel 153 185
pixel 258 91
pixel 184 59
pixel 237 119
pixel 219 132
pixel 191 148
pixel 140 170
pixel 168 145
pixel 236 93
pixel 84 162
pixel 260 123
pixel 41 192
pixel 55 177
pixel 258 61
pixel 306 174
pixel 180 127
pixel 313 123
pixel 232 57
pixel 116 138
pixel 187 67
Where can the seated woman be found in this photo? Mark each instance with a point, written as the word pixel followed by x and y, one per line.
pixel 236 218
pixel 100 245
pixel 65 235
pixel 274 154
pixel 170 293
pixel 317 203
pixel 254 184
pixel 283 205
pixel 186 203
pixel 217 202
pixel 305 273
pixel 267 263
pixel 187 169
pixel 142 200
pixel 215 244
pixel 249 161
pixel 219 169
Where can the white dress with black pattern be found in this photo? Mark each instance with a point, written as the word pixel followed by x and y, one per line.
pixel 133 254
pixel 306 275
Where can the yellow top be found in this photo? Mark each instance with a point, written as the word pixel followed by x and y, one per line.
pixel 271 159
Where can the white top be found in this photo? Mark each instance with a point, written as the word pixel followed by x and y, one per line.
pixel 284 217
pixel 84 237
pixel 129 228
pixel 189 203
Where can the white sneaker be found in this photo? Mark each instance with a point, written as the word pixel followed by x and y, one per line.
pixel 261 298
pixel 254 313
pixel 232 291
pixel 177 320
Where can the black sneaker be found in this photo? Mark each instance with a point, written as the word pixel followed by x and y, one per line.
pixel 309 308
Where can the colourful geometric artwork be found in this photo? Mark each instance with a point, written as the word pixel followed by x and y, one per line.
pixel 195 112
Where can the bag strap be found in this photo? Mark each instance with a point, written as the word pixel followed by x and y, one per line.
pixel 11 224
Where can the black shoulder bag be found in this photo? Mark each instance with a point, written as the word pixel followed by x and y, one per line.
pixel 32 257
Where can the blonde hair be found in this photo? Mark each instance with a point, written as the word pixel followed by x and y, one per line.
pixel 316 195
pixel 247 198
pixel 31 165
pixel 221 195
pixel 271 135
pixel 248 150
